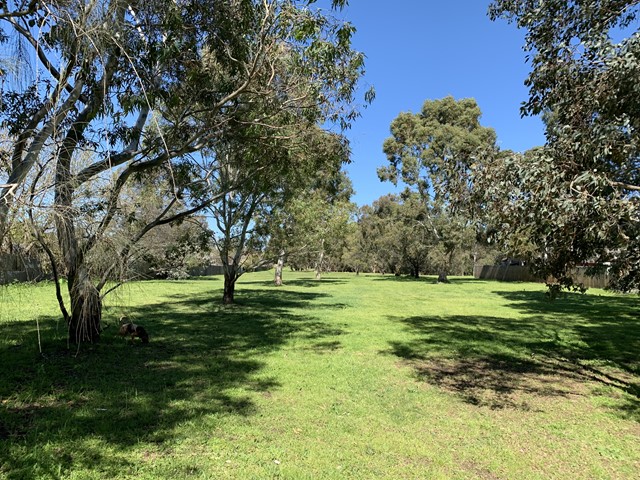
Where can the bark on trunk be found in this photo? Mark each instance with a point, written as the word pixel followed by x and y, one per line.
pixel 279 265
pixel 4 212
pixel 415 272
pixel 318 268
pixel 86 313
pixel 442 278
pixel 229 288
pixel 84 323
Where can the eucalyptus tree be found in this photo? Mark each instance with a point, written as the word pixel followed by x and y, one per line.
pixel 412 230
pixel 434 152
pixel 377 225
pixel 362 252
pixel 578 197
pixel 309 228
pixel 118 89
pixel 262 171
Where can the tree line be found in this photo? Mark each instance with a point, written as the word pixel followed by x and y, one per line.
pixel 199 105
pixel 137 130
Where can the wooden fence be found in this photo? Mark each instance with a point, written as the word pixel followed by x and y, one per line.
pixel 206 271
pixel 505 273
pixel 517 273
pixel 18 268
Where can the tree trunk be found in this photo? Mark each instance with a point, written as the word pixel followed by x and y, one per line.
pixel 84 324
pixel 229 288
pixel 442 278
pixel 318 268
pixel 4 212
pixel 475 258
pixel 279 265
pixel 415 271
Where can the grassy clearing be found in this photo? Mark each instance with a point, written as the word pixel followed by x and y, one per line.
pixel 350 377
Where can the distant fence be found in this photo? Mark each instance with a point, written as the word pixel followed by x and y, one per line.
pixel 518 273
pixel 18 268
pixel 206 271
pixel 596 281
pixel 505 273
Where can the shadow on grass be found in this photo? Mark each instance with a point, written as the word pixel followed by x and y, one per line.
pixel 506 362
pixel 427 279
pixel 59 409
pixel 405 278
pixel 606 328
pixel 308 283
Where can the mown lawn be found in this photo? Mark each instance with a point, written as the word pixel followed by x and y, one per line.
pixel 350 377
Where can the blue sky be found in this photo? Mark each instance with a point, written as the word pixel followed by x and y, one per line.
pixel 423 49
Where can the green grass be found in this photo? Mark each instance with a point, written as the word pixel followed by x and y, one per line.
pixel 350 377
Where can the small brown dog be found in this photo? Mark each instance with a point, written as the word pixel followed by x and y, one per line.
pixel 135 331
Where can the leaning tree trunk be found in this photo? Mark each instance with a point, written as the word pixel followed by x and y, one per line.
pixel 442 278
pixel 279 265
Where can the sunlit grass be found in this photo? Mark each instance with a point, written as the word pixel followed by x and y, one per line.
pixel 350 377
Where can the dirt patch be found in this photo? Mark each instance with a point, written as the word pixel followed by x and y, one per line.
pixel 478 471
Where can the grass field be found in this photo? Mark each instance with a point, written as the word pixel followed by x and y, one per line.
pixel 350 377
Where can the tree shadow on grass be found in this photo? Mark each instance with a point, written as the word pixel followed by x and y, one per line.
pixel 61 408
pixel 600 330
pixel 508 362
pixel 405 278
pixel 427 279
pixel 299 282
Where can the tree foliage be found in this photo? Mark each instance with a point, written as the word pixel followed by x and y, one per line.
pixel 263 176
pixel 578 197
pixel 402 234
pixel 117 90
pixel 309 229
pixel 434 152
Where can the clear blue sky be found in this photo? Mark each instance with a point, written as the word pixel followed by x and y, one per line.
pixel 421 49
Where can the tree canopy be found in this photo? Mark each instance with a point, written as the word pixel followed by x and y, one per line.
pixel 578 197
pixel 114 91
pixel 434 153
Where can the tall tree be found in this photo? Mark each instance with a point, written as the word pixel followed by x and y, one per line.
pixel 263 168
pixel 578 196
pixel 126 88
pixel 434 151
pixel 309 228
